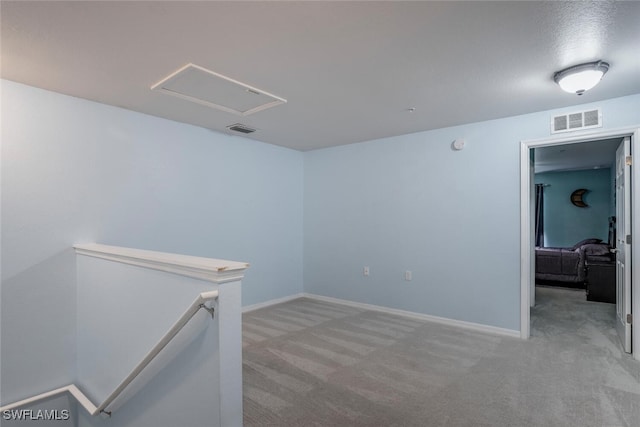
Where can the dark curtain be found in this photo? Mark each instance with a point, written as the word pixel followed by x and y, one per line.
pixel 612 231
pixel 539 215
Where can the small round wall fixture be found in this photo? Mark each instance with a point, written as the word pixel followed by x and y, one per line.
pixel 458 144
pixel 576 198
pixel 580 78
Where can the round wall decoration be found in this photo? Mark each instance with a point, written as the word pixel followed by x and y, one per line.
pixel 576 198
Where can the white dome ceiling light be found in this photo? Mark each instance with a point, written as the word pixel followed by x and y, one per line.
pixel 580 78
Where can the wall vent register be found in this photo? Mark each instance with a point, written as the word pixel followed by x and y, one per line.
pixel 239 127
pixel 579 120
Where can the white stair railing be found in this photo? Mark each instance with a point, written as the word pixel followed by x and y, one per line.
pixel 199 303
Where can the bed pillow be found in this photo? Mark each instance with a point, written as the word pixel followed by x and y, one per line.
pixel 597 249
pixel 585 242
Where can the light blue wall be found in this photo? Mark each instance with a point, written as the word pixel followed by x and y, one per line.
pixel 412 203
pixel 75 170
pixel 79 171
pixel 566 224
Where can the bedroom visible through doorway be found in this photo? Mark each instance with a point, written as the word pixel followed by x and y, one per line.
pixel 576 251
pixel 574 211
pixel 574 262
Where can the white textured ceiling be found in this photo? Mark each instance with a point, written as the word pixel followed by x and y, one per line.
pixel 586 155
pixel 349 70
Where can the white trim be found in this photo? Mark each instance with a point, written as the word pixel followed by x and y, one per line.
pixel 210 269
pixel 258 306
pixel 525 218
pixel 71 389
pixel 525 240
pixel 429 318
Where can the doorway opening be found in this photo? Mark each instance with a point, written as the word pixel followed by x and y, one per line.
pixel 625 261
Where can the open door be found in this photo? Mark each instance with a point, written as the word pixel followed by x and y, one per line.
pixel 623 243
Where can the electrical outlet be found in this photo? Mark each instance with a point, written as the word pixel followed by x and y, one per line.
pixel 365 271
pixel 408 276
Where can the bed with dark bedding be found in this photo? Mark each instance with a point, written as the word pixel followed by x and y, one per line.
pixel 567 265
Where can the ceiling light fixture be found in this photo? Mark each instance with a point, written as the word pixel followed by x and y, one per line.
pixel 580 78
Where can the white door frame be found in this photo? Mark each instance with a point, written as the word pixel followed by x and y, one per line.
pixel 526 248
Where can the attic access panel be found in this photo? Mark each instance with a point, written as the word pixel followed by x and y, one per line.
pixel 205 87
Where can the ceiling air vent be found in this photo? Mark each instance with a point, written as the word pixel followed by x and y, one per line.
pixel 240 128
pixel 576 121
pixel 205 87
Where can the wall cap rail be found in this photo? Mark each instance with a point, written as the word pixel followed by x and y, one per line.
pixel 209 269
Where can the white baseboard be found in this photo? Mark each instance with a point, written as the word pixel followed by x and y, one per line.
pixel 269 303
pixel 436 319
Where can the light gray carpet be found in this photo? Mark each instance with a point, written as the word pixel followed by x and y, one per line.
pixel 310 363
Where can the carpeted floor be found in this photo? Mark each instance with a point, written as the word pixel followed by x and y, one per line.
pixel 311 363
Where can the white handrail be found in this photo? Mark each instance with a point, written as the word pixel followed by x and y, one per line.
pixel 177 327
pixel 83 400
pixel 198 303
